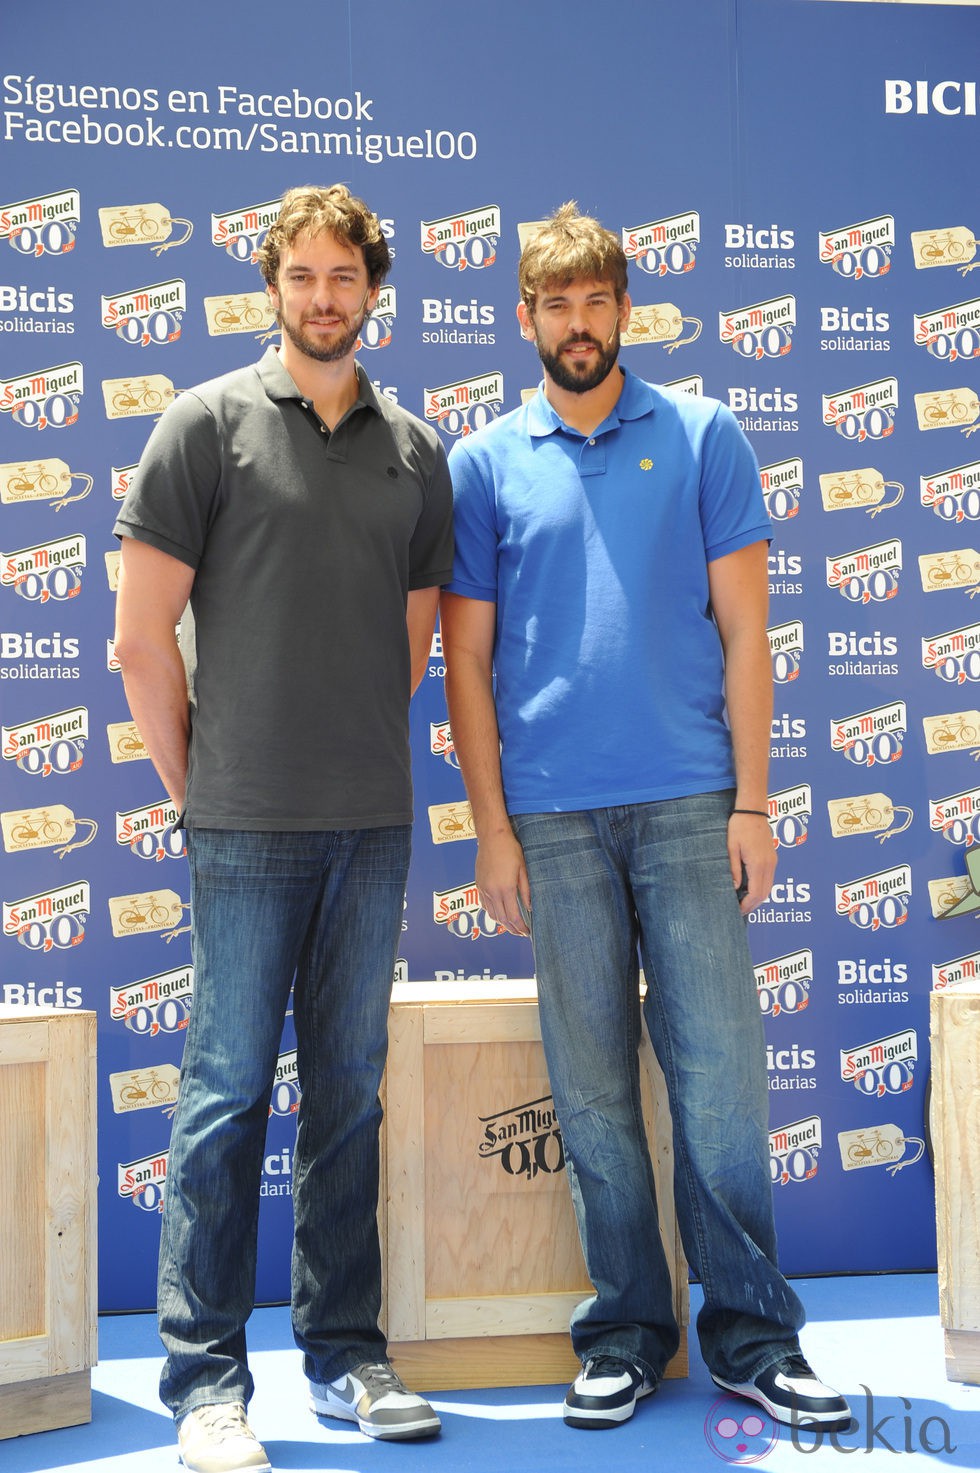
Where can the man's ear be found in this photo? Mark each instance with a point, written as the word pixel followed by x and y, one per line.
pixel 526 320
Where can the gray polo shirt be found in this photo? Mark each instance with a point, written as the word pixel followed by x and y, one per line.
pixel 305 544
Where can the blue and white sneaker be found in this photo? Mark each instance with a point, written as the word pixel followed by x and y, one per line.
pixel 605 1392
pixel 792 1394
pixel 374 1397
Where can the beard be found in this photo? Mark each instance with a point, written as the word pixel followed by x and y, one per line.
pixel 323 350
pixel 579 378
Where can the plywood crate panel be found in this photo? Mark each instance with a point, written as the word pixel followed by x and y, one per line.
pixel 483 1264
pixel 48 1302
pixel 955 1038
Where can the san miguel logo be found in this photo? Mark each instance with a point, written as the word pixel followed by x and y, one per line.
pixel 467 239
pixel 662 246
pixel 954 495
pixel 782 485
pixel 764 330
pixel 786 648
pixel 147 314
pixel 48 743
pixel 789 814
pixel 240 232
pixel 860 250
pixel 525 1139
pixel 876 735
pixel 461 911
pixel 47 570
pixel 143 1181
pixel 950 332
pixel 884 1066
pixel 376 328
pixel 466 405
pixel 441 742
pixel 957 817
pixel 783 984
pixel 46 398
pixel 286 1092
pixel 157 1004
pixel 122 479
pixel 954 656
pixel 862 413
pixel 793 1150
pixel 53 918
pixel 868 572
pixel 960 969
pixel 44 225
pixel 149 831
pixel 876 900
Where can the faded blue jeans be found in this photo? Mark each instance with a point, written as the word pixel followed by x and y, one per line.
pixel 327 908
pixel 658 874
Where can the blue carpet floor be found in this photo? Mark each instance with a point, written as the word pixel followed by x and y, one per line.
pixel 878 1338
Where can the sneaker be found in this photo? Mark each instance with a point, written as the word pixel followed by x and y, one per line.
pixel 605 1392
pixel 374 1397
pixel 791 1393
pixel 217 1439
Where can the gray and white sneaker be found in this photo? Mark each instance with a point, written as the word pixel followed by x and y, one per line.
pixel 217 1439
pixel 374 1397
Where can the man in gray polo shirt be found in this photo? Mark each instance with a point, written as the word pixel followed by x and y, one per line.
pixel 308 521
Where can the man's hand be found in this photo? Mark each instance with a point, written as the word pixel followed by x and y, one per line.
pixel 501 877
pixel 752 855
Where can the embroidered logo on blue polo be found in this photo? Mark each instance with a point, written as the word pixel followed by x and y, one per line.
pixel 646 464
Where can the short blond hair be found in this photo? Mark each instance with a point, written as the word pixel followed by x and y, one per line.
pixel 332 211
pixel 571 247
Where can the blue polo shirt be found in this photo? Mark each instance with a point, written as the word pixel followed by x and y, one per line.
pixel 595 549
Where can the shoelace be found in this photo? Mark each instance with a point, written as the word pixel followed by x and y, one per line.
pixel 224 1418
pixel 795 1365
pixel 607 1365
pixel 378 1377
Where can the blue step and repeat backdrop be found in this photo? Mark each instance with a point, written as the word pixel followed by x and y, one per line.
pixel 791 184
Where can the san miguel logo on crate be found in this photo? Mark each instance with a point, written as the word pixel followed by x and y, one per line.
pixel 47 570
pixel 466 405
pixel 950 332
pixel 46 397
pixel 784 982
pixel 862 413
pixel 48 743
pixel 954 656
pixel 147 314
pixel 461 911
pixel 44 225
pixel 525 1138
pixel 867 573
pixel 872 736
pixel 667 245
pixel 143 1181
pixel 782 486
pixel 793 1150
pixel 883 1066
pixel 957 817
pixel 467 239
pixel 881 899
pixel 240 231
pixel 954 495
pixel 157 1004
pixel 960 969
pixel 859 250
pixel 54 918
pixel 789 813
pixel 764 330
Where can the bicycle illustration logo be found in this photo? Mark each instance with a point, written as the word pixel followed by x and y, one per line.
pixel 859 489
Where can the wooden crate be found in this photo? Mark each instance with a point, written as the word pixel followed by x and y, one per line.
pixel 955 1039
pixel 483 1264
pixel 48 1301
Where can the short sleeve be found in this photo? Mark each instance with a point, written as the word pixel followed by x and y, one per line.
pixel 170 503
pixel 431 550
pixel 733 510
pixel 475 564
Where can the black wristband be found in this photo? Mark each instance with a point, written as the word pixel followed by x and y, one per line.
pixel 756 812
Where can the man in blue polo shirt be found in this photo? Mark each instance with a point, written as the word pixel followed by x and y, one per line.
pixel 611 546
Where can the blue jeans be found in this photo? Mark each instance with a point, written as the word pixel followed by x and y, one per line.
pixel 658 874
pixel 325 907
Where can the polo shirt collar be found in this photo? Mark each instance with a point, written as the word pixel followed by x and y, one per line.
pixel 635 400
pixel 278 385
